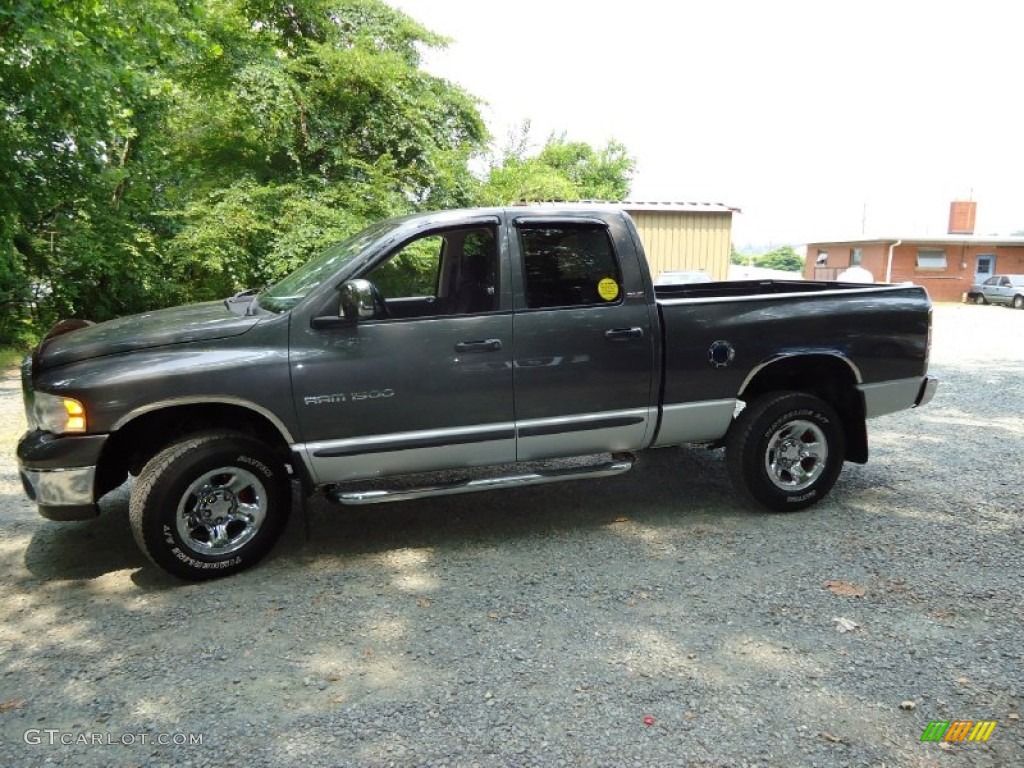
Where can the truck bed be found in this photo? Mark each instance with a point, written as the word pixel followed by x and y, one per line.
pixel 877 332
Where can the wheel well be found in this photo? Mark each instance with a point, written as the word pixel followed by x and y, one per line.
pixel 129 448
pixel 824 376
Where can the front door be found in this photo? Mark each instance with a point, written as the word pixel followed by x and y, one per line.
pixel 583 341
pixel 984 267
pixel 425 385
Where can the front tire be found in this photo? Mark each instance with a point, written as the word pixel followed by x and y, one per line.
pixel 786 450
pixel 1018 302
pixel 210 505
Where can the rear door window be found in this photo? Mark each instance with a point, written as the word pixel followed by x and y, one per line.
pixel 569 265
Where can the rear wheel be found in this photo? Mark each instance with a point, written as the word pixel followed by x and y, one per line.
pixel 979 299
pixel 210 505
pixel 786 450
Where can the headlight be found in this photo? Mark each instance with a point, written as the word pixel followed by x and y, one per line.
pixel 59 415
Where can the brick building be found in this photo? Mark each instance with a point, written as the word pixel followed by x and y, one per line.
pixel 947 265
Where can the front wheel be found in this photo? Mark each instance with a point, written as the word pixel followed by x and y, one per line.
pixel 786 450
pixel 1018 302
pixel 210 505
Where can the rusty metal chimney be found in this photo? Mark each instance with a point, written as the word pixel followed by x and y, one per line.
pixel 961 217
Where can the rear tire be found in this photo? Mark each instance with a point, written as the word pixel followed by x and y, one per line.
pixel 210 505
pixel 786 450
pixel 980 299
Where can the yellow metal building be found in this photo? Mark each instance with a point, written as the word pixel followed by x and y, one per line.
pixel 684 236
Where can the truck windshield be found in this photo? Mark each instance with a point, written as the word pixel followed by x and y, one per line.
pixel 292 289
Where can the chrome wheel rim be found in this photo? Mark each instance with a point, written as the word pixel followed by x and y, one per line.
pixel 796 455
pixel 221 511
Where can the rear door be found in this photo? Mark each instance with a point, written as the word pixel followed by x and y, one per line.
pixel 584 347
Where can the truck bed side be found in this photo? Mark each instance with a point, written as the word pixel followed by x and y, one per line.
pixel 862 348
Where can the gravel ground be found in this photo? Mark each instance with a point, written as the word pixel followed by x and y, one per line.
pixel 647 620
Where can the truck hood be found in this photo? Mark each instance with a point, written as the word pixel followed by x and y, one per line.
pixel 177 325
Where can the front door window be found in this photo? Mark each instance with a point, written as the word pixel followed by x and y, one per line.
pixel 451 272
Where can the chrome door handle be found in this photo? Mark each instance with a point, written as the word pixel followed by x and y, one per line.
pixel 487 345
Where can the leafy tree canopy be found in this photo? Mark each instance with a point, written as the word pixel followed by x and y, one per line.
pixel 784 258
pixel 562 170
pixel 162 151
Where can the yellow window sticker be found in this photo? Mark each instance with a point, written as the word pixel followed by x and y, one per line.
pixel 608 289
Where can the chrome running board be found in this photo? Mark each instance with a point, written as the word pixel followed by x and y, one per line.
pixel 616 466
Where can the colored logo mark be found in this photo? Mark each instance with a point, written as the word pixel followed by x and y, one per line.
pixel 958 730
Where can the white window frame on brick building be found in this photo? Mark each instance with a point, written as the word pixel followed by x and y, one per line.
pixel 931 258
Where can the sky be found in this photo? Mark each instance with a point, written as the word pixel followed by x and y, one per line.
pixel 820 120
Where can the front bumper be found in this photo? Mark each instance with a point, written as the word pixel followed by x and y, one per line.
pixel 62 494
pixel 59 473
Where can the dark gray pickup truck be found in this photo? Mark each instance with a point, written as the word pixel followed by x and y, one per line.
pixel 453 352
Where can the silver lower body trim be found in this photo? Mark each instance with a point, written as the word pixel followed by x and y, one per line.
pixel 581 434
pixel 360 458
pixel 60 487
pixel 401 453
pixel 890 396
pixel 701 422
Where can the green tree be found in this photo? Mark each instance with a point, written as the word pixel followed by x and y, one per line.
pixel 597 174
pixel 735 257
pixel 328 123
pixel 83 87
pixel 155 151
pixel 162 151
pixel 784 258
pixel 562 170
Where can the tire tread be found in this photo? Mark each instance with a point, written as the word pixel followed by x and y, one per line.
pixel 742 432
pixel 154 471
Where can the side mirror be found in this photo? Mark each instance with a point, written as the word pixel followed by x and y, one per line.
pixel 359 300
